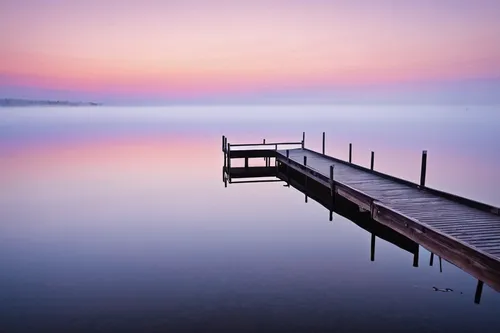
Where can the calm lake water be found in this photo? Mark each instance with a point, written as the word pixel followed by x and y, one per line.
pixel 117 220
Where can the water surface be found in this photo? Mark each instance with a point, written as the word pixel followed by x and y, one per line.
pixel 116 219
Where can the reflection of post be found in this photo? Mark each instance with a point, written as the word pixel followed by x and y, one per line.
pixel 415 257
pixel 479 292
pixel 372 256
pixel 440 265
pixel 431 262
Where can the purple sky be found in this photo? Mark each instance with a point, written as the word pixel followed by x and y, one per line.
pixel 297 51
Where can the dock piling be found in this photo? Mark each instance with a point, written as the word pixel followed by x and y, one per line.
pixel 324 143
pixel 423 168
pixel 415 258
pixel 275 155
pixel 305 177
pixel 229 162
pixel 265 158
pixel 372 248
pixel 431 261
pixel 350 153
pixel 287 168
pixel 303 140
pixel 479 292
pixel 372 163
pixel 224 168
pixel 332 191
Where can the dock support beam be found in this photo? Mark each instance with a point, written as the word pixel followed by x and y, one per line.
pixel 305 175
pixel 415 257
pixel 372 247
pixel 265 158
pixel 372 162
pixel 350 153
pixel 332 191
pixel 423 169
pixel 479 292
pixel 431 261
pixel 229 162
pixel 287 168
pixel 324 143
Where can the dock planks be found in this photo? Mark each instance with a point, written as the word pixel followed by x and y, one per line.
pixel 476 228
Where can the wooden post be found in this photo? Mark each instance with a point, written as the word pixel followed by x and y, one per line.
pixel 323 143
pixel 287 168
pixel 332 191
pixel 423 169
pixel 479 292
pixel 246 162
pixel 350 153
pixel 303 140
pixel 372 163
pixel 276 156
pixel 265 158
pixel 431 262
pixel 229 162
pixel 372 247
pixel 305 175
pixel 224 168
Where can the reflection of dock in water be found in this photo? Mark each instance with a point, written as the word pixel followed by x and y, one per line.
pixel 342 195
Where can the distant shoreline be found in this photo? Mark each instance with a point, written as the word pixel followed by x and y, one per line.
pixel 28 102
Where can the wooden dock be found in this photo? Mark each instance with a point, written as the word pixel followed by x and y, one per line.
pixel 462 231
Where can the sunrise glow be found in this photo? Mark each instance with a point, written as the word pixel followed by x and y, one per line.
pixel 191 49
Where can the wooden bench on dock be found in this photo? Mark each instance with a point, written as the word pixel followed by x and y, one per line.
pixel 462 231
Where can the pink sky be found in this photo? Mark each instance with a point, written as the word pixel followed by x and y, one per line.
pixel 189 49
